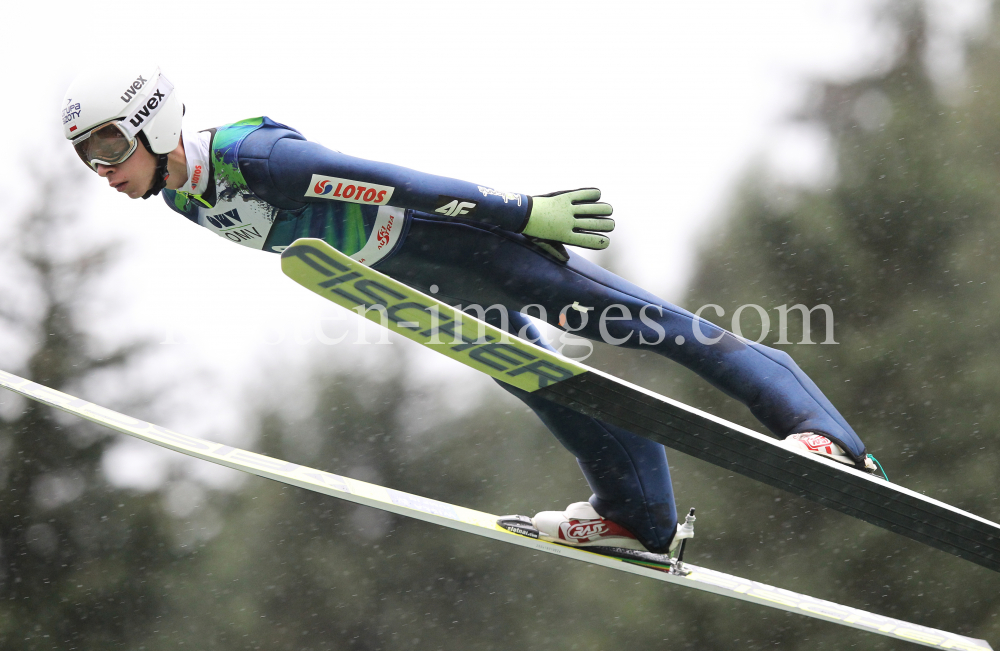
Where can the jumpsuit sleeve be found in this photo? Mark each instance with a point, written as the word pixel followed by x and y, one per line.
pixel 288 171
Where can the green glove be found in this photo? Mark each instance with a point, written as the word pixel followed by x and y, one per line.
pixel 571 217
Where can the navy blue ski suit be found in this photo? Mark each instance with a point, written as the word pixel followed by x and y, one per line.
pixel 463 239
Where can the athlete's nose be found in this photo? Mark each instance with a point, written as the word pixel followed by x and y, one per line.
pixel 104 170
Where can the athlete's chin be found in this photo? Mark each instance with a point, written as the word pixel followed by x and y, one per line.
pixel 128 191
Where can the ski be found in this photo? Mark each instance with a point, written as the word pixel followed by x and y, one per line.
pixel 334 276
pixel 488 526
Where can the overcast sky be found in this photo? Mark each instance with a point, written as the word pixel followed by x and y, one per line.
pixel 660 104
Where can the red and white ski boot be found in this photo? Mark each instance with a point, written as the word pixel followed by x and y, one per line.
pixel 580 525
pixel 824 447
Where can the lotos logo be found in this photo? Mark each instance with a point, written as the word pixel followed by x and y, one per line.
pixel 323 187
pixel 131 91
pixel 348 190
pixel 195 176
pixel 576 530
pixel 150 106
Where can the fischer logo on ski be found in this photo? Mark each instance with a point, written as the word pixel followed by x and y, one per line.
pixel 402 309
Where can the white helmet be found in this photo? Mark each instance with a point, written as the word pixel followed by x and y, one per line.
pixel 109 109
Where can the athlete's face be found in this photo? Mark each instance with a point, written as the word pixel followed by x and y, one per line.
pixel 134 176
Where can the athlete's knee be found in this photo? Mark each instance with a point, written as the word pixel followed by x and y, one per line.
pixel 776 356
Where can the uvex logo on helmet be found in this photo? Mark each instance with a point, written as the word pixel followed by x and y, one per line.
pixel 139 116
pixel 131 91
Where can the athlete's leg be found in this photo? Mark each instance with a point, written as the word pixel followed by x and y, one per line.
pixel 475 265
pixel 628 473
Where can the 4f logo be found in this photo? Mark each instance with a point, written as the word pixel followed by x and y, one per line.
pixel 454 207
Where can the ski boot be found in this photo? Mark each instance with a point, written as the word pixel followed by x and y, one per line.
pixel 581 526
pixel 824 447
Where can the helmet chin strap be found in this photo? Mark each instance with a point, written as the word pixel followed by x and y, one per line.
pixel 160 175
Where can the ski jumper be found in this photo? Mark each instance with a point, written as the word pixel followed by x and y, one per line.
pixel 263 185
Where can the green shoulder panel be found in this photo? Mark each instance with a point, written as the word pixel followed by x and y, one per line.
pixel 225 149
pixel 345 226
pixel 180 202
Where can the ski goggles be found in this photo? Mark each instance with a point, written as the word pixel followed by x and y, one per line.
pixel 105 144
pixel 112 142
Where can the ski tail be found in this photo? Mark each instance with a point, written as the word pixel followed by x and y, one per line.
pixel 483 524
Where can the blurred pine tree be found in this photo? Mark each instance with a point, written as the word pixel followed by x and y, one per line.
pixel 902 245
pixel 77 555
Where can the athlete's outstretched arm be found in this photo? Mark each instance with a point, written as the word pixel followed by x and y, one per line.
pixel 287 171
